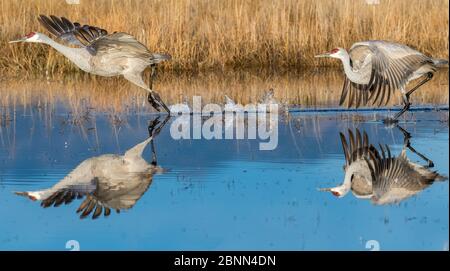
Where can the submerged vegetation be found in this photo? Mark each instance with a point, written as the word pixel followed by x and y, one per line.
pixel 216 34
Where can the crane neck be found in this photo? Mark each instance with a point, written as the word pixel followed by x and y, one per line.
pixel 347 184
pixel 79 56
pixel 353 76
pixel 66 51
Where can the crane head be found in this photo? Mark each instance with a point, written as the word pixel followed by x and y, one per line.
pixel 30 37
pixel 341 190
pixel 27 194
pixel 338 192
pixel 335 53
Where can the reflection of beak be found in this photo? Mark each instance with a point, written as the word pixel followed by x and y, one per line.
pixel 323 55
pixel 25 194
pixel 19 40
pixel 335 193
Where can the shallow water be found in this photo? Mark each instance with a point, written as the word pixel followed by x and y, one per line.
pixel 309 89
pixel 219 194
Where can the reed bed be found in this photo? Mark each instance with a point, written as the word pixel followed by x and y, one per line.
pixel 217 34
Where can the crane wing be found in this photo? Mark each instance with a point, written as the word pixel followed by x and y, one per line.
pixel 392 65
pixel 387 67
pixel 360 60
pixel 393 178
pixel 88 191
pixel 119 45
pixel 69 193
pixel 356 148
pixel 72 33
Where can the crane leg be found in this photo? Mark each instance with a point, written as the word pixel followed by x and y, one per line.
pixel 407 144
pixel 406 101
pixel 154 128
pixel 394 120
pixel 153 97
pixel 430 163
pixel 152 75
pixel 406 106
pixel 155 100
pixel 151 132
pixel 427 78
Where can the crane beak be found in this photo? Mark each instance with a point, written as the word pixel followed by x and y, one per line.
pixel 19 40
pixel 335 193
pixel 26 194
pixel 327 54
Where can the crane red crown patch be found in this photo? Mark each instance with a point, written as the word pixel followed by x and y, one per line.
pixel 29 35
pixel 335 50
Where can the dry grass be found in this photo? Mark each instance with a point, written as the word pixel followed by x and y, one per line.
pixel 215 34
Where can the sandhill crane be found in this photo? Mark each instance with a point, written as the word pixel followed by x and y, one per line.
pixel 101 53
pixel 374 69
pixel 357 173
pixel 107 182
pixel 379 176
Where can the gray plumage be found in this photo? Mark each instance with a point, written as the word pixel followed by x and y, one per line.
pixel 383 67
pixel 397 178
pixel 355 152
pixel 98 52
pixel 375 69
pixel 105 182
pixel 377 175
pixel 72 33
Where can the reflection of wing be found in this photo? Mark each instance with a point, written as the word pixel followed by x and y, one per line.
pixel 355 150
pixel 102 195
pixel 395 179
pixel 93 204
pixel 72 33
pixel 68 194
pixel 123 194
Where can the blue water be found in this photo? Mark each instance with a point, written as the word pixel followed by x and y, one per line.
pixel 221 194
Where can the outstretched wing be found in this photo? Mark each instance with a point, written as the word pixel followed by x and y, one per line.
pixel 394 179
pixel 73 33
pixel 360 57
pixel 387 66
pixel 356 148
pixel 91 203
pixel 121 45
pixel 392 66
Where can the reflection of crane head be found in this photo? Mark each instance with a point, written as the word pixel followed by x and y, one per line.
pixel 31 195
pixel 338 191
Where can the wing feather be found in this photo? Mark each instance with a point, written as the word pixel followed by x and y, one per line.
pixel 390 66
pixel 72 33
pixel 394 178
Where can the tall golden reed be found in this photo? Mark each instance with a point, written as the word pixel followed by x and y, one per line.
pixel 217 34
